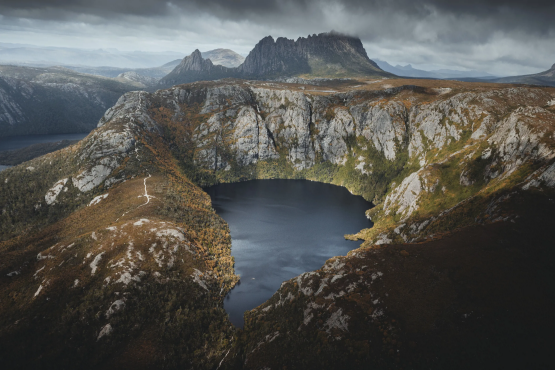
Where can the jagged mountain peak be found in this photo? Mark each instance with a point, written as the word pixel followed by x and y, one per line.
pixel 328 54
pixel 194 62
pixel 267 39
pixel 323 55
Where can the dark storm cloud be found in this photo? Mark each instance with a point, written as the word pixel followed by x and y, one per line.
pixel 467 33
pixel 530 15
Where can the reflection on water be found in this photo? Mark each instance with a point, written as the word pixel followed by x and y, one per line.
pixel 280 229
pixel 3 167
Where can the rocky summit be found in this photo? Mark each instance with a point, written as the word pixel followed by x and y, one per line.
pixel 111 255
pixel 195 68
pixel 325 55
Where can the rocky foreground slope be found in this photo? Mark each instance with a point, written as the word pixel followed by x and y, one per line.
pixel 55 100
pixel 111 255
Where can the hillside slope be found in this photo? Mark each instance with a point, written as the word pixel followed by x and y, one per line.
pixel 106 241
pixel 54 100
pixel 409 71
pixel 456 272
pixel 546 78
pixel 154 72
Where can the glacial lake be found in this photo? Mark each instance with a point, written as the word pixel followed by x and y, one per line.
pixel 283 228
pixel 21 141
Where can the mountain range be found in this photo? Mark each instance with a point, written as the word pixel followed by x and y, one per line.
pixel 59 100
pixel 409 71
pixel 155 72
pixel 54 56
pixel 329 55
pixel 223 57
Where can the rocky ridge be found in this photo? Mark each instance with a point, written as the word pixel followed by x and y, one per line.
pixel 91 251
pixel 324 55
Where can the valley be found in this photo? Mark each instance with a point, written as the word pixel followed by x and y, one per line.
pixel 112 251
pixel 277 185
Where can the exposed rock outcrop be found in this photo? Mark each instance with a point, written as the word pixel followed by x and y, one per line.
pixel 195 68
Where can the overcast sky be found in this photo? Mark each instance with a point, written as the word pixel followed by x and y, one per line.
pixel 499 37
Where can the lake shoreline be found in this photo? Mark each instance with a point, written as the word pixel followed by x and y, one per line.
pixel 281 228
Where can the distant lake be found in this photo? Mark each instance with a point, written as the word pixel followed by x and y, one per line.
pixel 3 167
pixel 21 141
pixel 280 229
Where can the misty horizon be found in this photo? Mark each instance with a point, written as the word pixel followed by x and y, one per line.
pixel 498 37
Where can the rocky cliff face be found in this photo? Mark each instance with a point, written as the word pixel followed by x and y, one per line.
pixel 53 100
pixel 195 68
pixel 116 226
pixel 323 55
pixel 270 58
pixel 421 154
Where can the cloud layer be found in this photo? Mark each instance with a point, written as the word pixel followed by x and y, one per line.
pixel 500 37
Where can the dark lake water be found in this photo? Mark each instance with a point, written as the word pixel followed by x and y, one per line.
pixel 21 141
pixel 280 229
